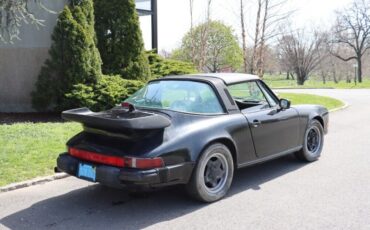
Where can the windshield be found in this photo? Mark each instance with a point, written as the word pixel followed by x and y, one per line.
pixel 178 95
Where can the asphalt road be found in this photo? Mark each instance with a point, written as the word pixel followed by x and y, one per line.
pixel 332 193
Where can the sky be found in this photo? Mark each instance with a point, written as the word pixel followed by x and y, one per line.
pixel 174 17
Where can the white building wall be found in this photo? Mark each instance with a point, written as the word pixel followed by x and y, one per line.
pixel 20 62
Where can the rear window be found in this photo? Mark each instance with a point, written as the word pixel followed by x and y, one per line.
pixel 178 95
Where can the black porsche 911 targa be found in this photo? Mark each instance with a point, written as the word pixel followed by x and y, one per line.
pixel 193 130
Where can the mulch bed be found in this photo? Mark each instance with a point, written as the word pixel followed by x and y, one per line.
pixel 10 118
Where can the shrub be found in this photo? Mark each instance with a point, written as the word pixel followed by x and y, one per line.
pixel 74 58
pixel 105 94
pixel 160 67
pixel 220 49
pixel 112 90
pixel 120 40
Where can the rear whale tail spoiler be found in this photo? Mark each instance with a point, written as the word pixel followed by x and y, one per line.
pixel 117 119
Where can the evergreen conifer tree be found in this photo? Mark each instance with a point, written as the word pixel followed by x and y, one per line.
pixel 120 40
pixel 73 59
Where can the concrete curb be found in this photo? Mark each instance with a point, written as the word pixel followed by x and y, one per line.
pixel 345 106
pixel 35 181
pixel 287 88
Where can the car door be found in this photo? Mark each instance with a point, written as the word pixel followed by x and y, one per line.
pixel 273 130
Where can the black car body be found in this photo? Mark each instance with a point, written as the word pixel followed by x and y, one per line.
pixel 137 146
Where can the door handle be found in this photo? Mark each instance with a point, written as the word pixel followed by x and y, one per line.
pixel 256 123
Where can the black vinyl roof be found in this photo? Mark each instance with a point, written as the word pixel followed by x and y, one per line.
pixel 227 78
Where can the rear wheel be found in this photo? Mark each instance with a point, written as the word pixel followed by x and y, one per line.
pixel 213 174
pixel 313 142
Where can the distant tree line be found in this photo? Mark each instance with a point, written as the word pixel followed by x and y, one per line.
pixel 271 46
pixel 339 52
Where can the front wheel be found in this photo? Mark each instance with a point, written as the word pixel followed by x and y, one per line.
pixel 313 142
pixel 213 174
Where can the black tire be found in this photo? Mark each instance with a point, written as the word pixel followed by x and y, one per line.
pixel 212 175
pixel 313 142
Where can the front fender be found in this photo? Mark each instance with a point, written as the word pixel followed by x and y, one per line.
pixel 310 112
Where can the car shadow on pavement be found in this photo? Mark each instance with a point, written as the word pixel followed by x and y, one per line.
pixel 99 207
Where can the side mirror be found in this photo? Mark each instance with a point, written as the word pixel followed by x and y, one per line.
pixel 284 104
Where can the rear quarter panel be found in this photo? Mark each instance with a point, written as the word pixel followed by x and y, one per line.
pixel 189 135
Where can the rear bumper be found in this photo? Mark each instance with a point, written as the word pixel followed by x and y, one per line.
pixel 125 177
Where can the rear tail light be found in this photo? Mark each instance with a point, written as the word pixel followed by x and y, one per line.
pixel 96 157
pixel 144 163
pixel 129 162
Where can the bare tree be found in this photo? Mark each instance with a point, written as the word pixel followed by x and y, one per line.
pixel 324 67
pixel 204 37
pixel 366 64
pixel 191 7
pixel 13 14
pixel 302 53
pixel 274 17
pixel 260 61
pixel 330 67
pixel 202 52
pixel 352 30
pixel 244 39
pixel 270 15
pixel 256 38
pixel 191 3
pixel 271 64
pixel 283 62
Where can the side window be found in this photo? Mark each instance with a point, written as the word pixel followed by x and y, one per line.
pixel 271 100
pixel 247 92
pixel 250 97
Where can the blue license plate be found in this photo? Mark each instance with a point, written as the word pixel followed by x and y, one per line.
pixel 87 172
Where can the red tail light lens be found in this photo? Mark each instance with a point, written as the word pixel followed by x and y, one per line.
pixel 95 157
pixel 129 162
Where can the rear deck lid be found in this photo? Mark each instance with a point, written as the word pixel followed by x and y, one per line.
pixel 118 119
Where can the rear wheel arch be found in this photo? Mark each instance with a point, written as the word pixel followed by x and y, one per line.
pixel 228 143
pixel 213 172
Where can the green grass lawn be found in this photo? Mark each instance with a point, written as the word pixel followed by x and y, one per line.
pixel 298 98
pixel 281 82
pixel 29 150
